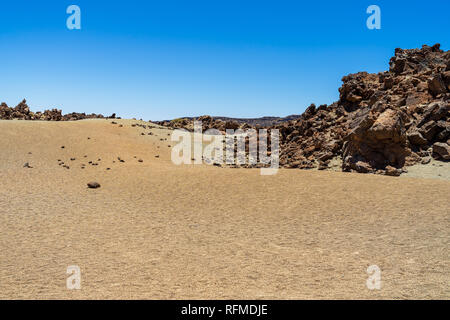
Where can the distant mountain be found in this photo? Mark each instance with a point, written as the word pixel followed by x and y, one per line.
pixel 263 121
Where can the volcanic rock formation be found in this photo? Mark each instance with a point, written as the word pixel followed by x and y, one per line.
pixel 381 122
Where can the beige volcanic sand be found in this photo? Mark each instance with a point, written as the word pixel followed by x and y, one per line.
pixel 156 230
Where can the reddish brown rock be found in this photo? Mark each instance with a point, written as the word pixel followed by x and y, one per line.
pixel 416 138
pixel 436 85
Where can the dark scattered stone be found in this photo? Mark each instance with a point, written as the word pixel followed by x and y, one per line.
pixel 93 185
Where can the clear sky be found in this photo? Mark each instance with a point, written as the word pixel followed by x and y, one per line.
pixel 166 59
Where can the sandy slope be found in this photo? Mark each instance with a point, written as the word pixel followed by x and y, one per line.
pixel 155 230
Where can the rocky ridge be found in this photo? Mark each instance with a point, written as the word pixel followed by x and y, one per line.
pixel 23 112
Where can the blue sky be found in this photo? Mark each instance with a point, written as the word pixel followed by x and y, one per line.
pixel 166 59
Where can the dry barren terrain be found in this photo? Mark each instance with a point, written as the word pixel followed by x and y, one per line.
pixel 156 230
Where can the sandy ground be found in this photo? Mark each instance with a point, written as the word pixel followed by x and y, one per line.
pixel 156 230
pixel 433 170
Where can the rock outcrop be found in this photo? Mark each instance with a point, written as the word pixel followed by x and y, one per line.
pixel 381 122
pixel 23 112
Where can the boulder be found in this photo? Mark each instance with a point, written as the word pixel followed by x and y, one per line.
pixel 441 150
pixel 378 142
pixel 416 138
pixel 391 171
pixel 436 85
pixel 429 130
pixel 435 111
pixel 93 185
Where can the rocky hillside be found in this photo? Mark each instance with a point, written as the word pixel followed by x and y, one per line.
pixel 381 124
pixel 23 112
